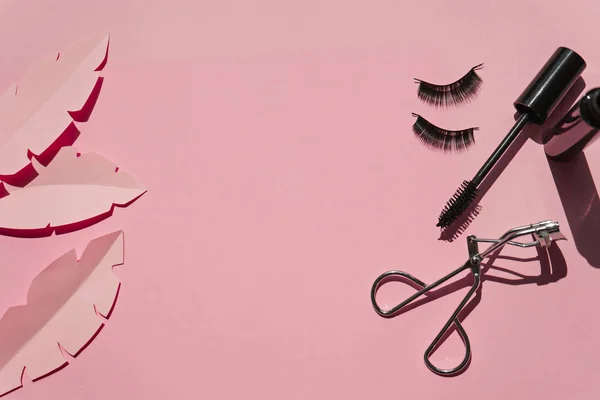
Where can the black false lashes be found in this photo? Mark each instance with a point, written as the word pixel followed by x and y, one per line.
pixel 461 91
pixel 440 139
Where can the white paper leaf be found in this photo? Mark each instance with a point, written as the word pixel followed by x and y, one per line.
pixel 37 111
pixel 64 305
pixel 71 190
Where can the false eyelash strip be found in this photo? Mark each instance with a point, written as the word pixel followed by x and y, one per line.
pixel 440 139
pixel 462 91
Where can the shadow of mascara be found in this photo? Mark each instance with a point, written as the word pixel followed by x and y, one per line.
pixel 581 203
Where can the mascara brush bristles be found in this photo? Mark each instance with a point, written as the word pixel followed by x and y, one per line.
pixel 458 227
pixel 458 204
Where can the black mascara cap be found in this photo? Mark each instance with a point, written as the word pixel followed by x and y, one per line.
pixel 549 86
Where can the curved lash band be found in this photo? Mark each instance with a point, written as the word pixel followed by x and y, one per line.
pixel 461 91
pixel 440 139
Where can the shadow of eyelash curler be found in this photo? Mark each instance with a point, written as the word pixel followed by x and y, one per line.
pixel 544 233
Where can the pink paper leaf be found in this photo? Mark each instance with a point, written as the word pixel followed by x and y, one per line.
pixel 66 307
pixel 71 190
pixel 35 113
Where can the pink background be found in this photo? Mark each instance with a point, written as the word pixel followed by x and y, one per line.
pixel 274 139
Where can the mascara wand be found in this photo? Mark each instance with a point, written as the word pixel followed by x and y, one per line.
pixel 534 105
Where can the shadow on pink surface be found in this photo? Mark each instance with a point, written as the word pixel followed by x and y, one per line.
pixel 579 197
pixel 553 267
pixel 533 132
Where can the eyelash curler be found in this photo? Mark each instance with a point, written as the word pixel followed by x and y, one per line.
pixel 544 233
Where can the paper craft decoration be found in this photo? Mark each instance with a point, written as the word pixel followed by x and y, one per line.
pixel 72 192
pixel 37 112
pixel 67 305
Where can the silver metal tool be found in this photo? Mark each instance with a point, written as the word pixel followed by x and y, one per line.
pixel 544 233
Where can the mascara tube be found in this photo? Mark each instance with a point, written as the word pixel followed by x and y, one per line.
pixel 576 130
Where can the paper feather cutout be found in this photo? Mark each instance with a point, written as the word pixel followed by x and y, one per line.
pixel 64 310
pixel 37 112
pixel 72 192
